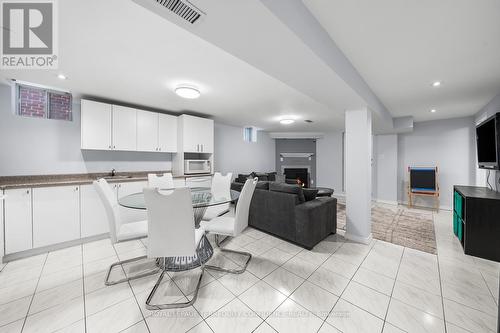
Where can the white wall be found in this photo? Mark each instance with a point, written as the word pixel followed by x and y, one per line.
pixel 385 168
pixel 448 144
pixel 487 111
pixel 232 154
pixel 30 146
pixel 329 161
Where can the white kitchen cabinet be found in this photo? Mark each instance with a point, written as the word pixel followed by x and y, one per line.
pixel 18 226
pixel 204 181
pixel 56 215
pixel 179 182
pixel 124 189
pixel 167 133
pixel 147 131
pixel 93 218
pixel 96 125
pixel 197 134
pixel 124 128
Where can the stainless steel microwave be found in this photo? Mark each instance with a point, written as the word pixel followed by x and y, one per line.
pixel 197 166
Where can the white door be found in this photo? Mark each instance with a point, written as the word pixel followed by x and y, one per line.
pixel 18 225
pixel 147 131
pixel 124 128
pixel 167 133
pixel 129 214
pixel 56 215
pixel 93 218
pixel 206 130
pixel 95 125
pixel 190 134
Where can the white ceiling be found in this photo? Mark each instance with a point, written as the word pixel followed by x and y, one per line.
pixel 118 50
pixel 401 46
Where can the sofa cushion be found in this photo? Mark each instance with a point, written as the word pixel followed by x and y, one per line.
pixel 287 188
pixel 262 185
pixel 310 193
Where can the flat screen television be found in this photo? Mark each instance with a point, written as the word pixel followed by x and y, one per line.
pixel 488 143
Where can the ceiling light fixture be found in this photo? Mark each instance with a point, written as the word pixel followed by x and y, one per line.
pixel 187 92
pixel 62 76
pixel 286 121
pixel 436 84
pixel 433 110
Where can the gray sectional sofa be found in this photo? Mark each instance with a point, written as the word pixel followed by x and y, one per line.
pixel 291 213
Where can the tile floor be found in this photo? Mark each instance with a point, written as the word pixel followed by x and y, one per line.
pixel 339 286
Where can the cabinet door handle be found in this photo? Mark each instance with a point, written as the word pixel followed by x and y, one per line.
pixel 76 188
pixel 109 146
pixel 27 191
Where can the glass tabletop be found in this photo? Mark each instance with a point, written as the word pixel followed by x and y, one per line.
pixel 200 196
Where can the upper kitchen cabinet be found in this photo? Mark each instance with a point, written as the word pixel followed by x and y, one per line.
pixel 113 127
pixel 167 133
pixel 124 128
pixel 96 125
pixel 197 134
pixel 147 131
pixel 156 132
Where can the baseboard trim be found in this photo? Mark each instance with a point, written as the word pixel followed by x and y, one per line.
pixel 55 247
pixel 359 239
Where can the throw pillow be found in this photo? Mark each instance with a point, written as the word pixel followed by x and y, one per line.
pixel 287 188
pixel 310 193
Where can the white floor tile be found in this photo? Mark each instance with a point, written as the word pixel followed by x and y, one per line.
pixel 234 317
pixel 349 318
pixel 367 299
pixel 418 298
pixel 411 319
pixel 315 299
pixel 291 317
pixel 340 267
pixel 115 318
pixel 468 318
pixel 56 296
pixel 262 299
pixel 14 310
pixel 211 298
pixel 56 318
pixel 374 280
pixel 102 298
pixel 300 267
pixel 238 283
pixel 283 281
pixel 330 281
pixel 174 320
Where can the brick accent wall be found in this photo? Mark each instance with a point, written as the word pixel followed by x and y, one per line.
pixel 32 102
pixel 60 106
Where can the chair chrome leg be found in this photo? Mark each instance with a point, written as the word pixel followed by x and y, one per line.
pixel 150 306
pixel 232 271
pixel 119 263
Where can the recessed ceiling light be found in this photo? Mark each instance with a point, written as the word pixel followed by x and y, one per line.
pixel 187 92
pixel 287 121
pixel 62 76
pixel 436 83
pixel 433 110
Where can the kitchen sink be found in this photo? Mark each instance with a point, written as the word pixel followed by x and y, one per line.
pixel 117 177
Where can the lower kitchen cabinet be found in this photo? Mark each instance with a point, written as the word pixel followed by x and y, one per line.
pixel 17 223
pixel 93 218
pixel 128 214
pixel 56 217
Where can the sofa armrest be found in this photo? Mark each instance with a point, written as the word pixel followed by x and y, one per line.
pixel 236 186
pixel 315 220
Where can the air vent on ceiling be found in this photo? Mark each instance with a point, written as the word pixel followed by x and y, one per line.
pixel 183 8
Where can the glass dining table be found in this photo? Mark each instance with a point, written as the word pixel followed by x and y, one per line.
pixel 202 198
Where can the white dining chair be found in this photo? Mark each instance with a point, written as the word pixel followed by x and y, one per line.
pixel 232 226
pixel 221 188
pixel 120 231
pixel 163 181
pixel 172 234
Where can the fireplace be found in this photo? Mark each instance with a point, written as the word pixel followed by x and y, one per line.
pixel 298 176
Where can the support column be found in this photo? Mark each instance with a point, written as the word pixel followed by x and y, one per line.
pixel 358 175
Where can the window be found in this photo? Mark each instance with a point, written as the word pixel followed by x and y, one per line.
pixel 250 134
pixel 38 102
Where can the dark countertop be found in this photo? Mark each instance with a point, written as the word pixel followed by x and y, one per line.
pixel 13 182
pixel 477 192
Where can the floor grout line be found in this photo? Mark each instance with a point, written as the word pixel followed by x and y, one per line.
pixel 34 293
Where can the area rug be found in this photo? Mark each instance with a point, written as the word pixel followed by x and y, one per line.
pixel 397 225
